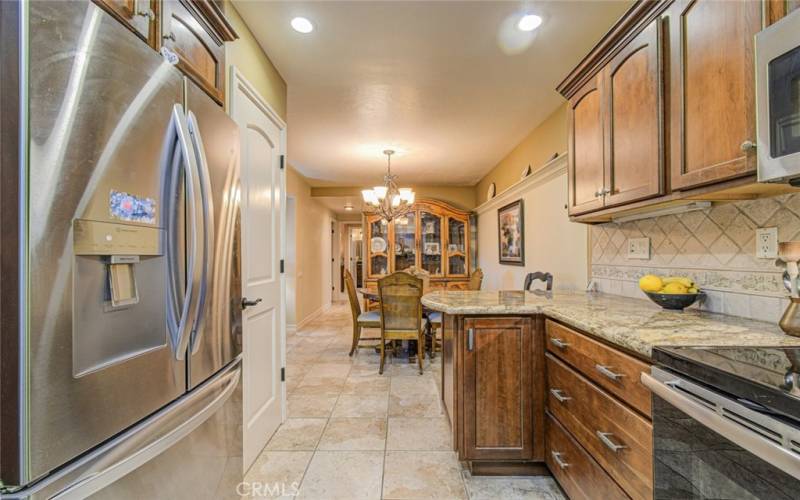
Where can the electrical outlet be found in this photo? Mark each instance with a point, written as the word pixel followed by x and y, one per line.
pixel 767 242
pixel 639 248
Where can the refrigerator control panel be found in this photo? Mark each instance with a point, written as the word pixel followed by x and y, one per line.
pixel 108 238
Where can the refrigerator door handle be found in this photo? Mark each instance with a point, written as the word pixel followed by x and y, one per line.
pixel 182 154
pixel 207 203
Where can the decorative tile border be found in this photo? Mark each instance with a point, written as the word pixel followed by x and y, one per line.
pixel 714 247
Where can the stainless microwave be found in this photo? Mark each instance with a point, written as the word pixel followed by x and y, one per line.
pixel 778 101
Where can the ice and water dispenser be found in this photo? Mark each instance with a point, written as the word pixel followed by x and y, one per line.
pixel 119 303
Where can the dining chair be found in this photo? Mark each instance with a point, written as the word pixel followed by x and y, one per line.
pixel 369 319
pixel 476 279
pixel 540 276
pixel 401 312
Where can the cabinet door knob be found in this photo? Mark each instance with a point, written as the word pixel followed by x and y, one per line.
pixel 748 146
pixel 169 36
pixel 598 193
pixel 559 395
pixel 605 437
pixel 148 13
pixel 558 460
pixel 606 371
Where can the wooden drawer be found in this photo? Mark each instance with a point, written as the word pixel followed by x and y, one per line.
pixel 601 363
pixel 576 471
pixel 619 439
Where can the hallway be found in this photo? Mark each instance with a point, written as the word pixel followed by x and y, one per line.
pixel 354 434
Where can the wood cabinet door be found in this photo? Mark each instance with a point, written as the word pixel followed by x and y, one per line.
pixel 498 388
pixel 379 247
pixel 586 161
pixel 633 117
pixel 457 250
pixel 137 15
pixel 201 54
pixel 712 101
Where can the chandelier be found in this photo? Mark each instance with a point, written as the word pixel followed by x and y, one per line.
pixel 388 200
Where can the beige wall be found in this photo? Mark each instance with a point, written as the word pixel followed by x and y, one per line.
pixel 312 234
pixel 536 149
pixel 249 58
pixel 552 243
pixel 313 248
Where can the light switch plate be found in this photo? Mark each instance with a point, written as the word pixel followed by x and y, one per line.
pixel 639 248
pixel 767 243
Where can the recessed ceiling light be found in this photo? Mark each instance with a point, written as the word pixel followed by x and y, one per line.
pixel 303 25
pixel 528 22
pixel 348 206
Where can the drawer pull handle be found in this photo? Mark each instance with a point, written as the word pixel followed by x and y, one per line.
pixel 605 438
pixel 559 343
pixel 169 36
pixel 559 395
pixel 558 460
pixel 608 373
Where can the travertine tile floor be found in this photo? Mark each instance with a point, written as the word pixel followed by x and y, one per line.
pixel 354 434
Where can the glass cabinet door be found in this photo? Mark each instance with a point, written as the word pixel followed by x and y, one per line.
pixel 378 248
pixel 430 228
pixel 405 241
pixel 456 247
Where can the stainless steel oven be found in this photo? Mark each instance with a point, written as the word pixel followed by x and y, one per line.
pixel 708 444
pixel 778 101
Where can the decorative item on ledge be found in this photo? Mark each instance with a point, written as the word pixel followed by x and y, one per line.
pixel 388 200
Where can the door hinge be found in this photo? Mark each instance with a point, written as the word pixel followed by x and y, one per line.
pixel 283 374
pixel 282 266
pixel 283 161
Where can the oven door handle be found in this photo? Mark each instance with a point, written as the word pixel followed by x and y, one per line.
pixel 764 449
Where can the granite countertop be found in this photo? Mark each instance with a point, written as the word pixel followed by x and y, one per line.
pixel 634 324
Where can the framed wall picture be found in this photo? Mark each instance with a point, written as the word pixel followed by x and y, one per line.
pixel 511 234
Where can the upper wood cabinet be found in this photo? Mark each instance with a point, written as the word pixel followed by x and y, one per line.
pixel 498 390
pixel 586 143
pixel 664 106
pixel 634 141
pixel 194 30
pixel 616 142
pixel 138 16
pixel 200 50
pixel 712 90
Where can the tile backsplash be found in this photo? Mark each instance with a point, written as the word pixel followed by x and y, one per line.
pixel 715 247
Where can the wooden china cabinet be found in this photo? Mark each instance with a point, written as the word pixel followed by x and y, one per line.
pixel 433 236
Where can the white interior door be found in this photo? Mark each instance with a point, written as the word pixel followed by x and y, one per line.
pixel 262 134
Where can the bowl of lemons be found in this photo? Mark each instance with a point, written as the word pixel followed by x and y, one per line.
pixel 670 292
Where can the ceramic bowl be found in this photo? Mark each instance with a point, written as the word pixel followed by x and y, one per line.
pixel 674 301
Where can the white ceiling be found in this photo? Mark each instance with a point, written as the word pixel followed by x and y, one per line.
pixel 453 86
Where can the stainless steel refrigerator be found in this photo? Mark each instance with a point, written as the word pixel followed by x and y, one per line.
pixel 124 340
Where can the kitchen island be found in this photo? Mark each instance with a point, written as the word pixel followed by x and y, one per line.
pixel 533 381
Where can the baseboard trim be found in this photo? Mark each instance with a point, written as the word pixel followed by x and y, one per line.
pixel 314 315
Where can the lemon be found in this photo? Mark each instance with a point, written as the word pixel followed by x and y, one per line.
pixel 674 288
pixel 650 283
pixel 693 290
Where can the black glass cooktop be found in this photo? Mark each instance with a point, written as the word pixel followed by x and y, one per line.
pixel 764 378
